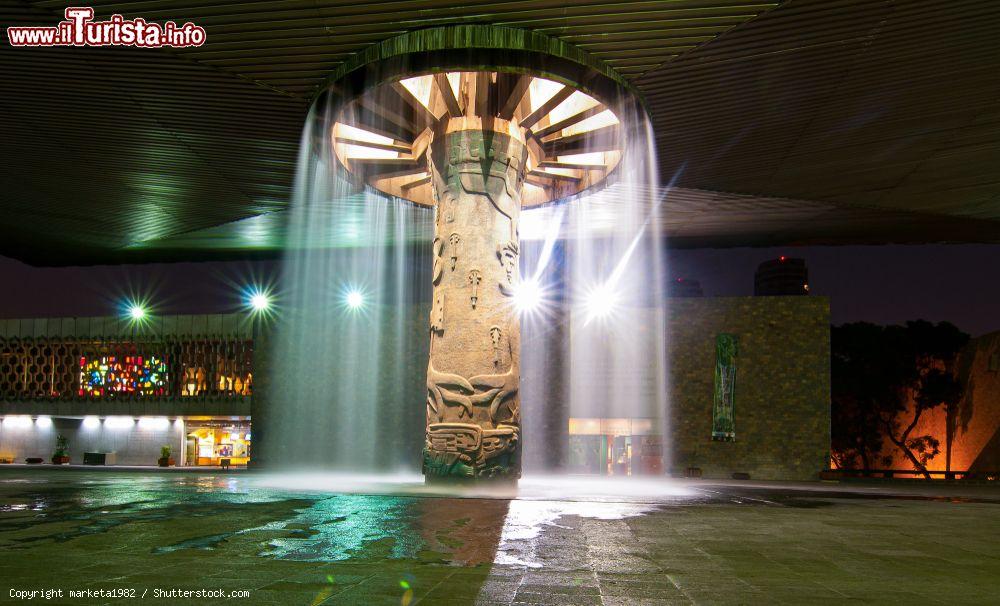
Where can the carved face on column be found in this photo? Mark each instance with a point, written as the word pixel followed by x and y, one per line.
pixel 507 255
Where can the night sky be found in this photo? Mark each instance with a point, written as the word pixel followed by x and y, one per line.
pixel 882 284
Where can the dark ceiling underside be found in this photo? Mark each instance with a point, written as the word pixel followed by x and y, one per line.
pixel 805 122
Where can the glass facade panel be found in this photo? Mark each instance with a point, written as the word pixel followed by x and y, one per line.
pixel 214 441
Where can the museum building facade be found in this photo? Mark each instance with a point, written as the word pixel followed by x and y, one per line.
pixel 748 393
pixel 123 389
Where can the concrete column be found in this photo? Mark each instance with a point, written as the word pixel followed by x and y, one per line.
pixel 477 171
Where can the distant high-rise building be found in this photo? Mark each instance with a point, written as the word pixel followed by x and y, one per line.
pixel 684 287
pixel 783 276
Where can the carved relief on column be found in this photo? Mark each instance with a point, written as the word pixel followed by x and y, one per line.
pixel 438 267
pixel 473 405
pixel 437 313
pixel 496 335
pixel 507 254
pixel 475 277
pixel 456 242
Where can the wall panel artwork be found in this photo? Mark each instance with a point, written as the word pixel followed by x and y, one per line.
pixel 723 412
pixel 115 368
pixel 106 375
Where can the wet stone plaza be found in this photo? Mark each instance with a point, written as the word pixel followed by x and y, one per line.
pixel 351 540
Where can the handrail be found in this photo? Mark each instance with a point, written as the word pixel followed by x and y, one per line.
pixel 890 473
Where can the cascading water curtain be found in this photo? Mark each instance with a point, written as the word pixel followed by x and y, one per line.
pixel 348 345
pixel 596 354
pixel 348 350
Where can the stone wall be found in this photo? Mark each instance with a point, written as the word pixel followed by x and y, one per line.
pixel 977 425
pixel 782 400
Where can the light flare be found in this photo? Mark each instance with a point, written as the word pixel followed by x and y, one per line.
pixel 601 302
pixel 354 299
pixel 259 301
pixel 529 296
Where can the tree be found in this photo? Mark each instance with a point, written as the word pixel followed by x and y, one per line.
pixel 938 349
pixel 932 350
pixel 876 372
pixel 934 388
pixel 861 373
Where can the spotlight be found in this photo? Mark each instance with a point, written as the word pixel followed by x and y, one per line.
pixel 91 422
pixel 119 422
pixel 17 422
pixel 354 299
pixel 43 422
pixel 601 302
pixel 136 312
pixel 528 296
pixel 154 423
pixel 259 301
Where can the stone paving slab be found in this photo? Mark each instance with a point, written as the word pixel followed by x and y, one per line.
pixel 727 544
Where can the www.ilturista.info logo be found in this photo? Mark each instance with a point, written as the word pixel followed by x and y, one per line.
pixel 80 29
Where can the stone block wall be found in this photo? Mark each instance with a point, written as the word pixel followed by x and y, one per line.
pixel 782 397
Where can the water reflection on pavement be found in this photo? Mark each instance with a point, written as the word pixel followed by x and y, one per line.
pixel 463 527
pixel 322 538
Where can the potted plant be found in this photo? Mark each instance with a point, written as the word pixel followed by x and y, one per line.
pixel 165 460
pixel 61 455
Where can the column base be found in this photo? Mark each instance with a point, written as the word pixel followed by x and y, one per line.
pixel 464 452
pixel 500 482
pixel 458 481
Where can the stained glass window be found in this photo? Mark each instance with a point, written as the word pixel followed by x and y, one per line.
pixel 109 375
